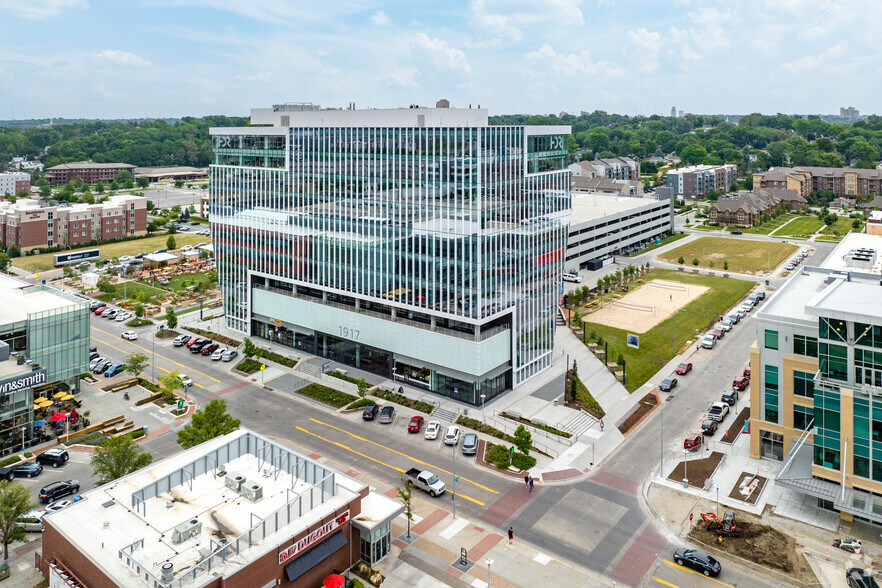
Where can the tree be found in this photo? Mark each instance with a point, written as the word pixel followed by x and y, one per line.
pixel 142 182
pixel 13 252
pixel 680 260
pixel 523 440
pixel 856 224
pixel 99 187
pixel 249 350
pixel 172 227
pixel 179 183
pixel 5 262
pixel 171 243
pixel 830 218
pixel 171 319
pixel 405 494
pixel 15 502
pixel 695 261
pixel 136 364
pixel 123 176
pixel 116 457
pixel 45 190
pixel 208 423
pixel 170 382
pixel 726 266
pixel 712 195
pixel 105 286
pixel 139 309
pixel 186 214
pixel 574 375
pixel 362 388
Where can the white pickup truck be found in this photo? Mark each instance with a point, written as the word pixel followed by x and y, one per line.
pixel 425 481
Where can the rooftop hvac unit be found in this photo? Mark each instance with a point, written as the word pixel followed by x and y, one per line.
pixel 186 530
pixel 168 572
pixel 253 491
pixel 234 480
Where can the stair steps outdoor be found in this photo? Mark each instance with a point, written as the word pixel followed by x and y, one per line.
pixel 444 414
pixel 577 424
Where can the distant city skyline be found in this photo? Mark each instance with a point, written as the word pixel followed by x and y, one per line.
pixel 173 58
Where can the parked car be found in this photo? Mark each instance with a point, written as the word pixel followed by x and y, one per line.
pixel 124 258
pixel 109 314
pixel 387 413
pixel 370 411
pixel 58 505
pixel 697 560
pixel 130 335
pixel 209 349
pixel 200 345
pixel 93 355
pixel 32 522
pixel 21 470
pixel 218 353
pixel 693 442
pixel 100 310
pixel 432 430
pixel 99 368
pixel 726 325
pixel 55 457
pixel 667 384
pixel 181 340
pixel 684 368
pixel 96 305
pixel 56 490
pixel 196 340
pixel 469 444
pixel 746 372
pixel 94 363
pixel 719 333
pixel 452 435
pixel 123 316
pixel 849 544
pixel 709 427
pixel 415 424
pixel 730 397
pixel 740 312
pixel 571 278
pixel 140 255
pixel 761 295
pixel 113 370
pixel 708 341
pixel 718 411
pixel 741 383
pixel 734 317
pixel 736 232
pixel 789 267
pixel 161 251
pixel 859 578
pixel 229 355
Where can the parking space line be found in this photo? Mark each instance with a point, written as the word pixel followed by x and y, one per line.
pixel 685 569
pixel 405 455
pixel 148 363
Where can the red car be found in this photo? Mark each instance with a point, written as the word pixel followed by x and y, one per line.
pixel 101 310
pixel 693 442
pixel 746 372
pixel 719 332
pixel 195 340
pixel 683 369
pixel 209 349
pixel 741 383
pixel 416 423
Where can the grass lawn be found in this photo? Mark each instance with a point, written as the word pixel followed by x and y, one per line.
pixel 772 225
pixel 840 228
pixel 665 241
pixel 45 261
pixel 657 345
pixel 803 227
pixel 132 289
pixel 742 255
pixel 177 282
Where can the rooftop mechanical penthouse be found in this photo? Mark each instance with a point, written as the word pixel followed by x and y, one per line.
pixel 418 243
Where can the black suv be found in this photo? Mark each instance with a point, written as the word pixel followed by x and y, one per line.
pixel 370 411
pixel 730 397
pixel 709 427
pixel 199 345
pixel 56 490
pixel 858 578
pixel 697 560
pixel 55 457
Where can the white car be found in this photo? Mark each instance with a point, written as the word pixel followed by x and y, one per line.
pixel 187 248
pixel 432 430
pixel 185 380
pixel 229 355
pixel 708 341
pixel 571 278
pixel 452 435
pixel 130 335
pixel 58 505
pixel 726 325
pixel 218 353
pixel 123 316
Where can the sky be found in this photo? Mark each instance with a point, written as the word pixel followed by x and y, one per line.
pixel 172 58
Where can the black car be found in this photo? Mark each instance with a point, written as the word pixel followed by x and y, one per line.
pixel 102 367
pixel 55 457
pixel 199 345
pixel 858 578
pixel 370 411
pixel 56 490
pixel 668 384
pixel 697 560
pixel 736 232
pixel 730 397
pixel 140 255
pixel 709 427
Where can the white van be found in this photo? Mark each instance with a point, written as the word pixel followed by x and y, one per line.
pixel 572 278
pixel 708 341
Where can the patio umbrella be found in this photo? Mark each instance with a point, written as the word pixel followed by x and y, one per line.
pixel 59 416
pixel 37 407
pixel 39 423
pixel 46 404
pixel 67 396
pixel 59 394
pixel 334 581
pixel 40 399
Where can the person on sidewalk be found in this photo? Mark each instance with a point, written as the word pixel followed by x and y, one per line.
pixel 601 425
pixel 526 480
pixel 531 483
pixel 510 535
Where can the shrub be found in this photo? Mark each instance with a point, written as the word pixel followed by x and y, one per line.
pixel 249 366
pixel 499 457
pixel 28 455
pixel 404 401
pixel 344 377
pixel 360 403
pixel 695 261
pixel 10 460
pixel 139 322
pixel 523 462
pixel 327 395
pixel 481 427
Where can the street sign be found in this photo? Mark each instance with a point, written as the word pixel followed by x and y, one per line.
pixel 463 556
pixel 326 367
pixel 262 366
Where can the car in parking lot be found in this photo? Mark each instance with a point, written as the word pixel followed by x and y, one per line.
pixel 218 353
pixel 370 411
pixel 109 314
pixel 736 232
pixel 719 332
pixel 123 316
pixel 58 505
pixel 100 367
pixel 567 277
pixel 451 437
pixel 859 578
pixel 718 411
pixel 734 317
pixel 124 258
pixel 469 444
pixel 726 325
pixel 740 312
pixel 55 457
pixel 95 305
pixel 140 255
pixel 415 424
pixel 709 427
pixel 730 397
pixel 101 309
pixel 432 430
pixel 387 413
pixel 130 335
pixel 21 470
pixel 667 384
pixel 181 340
pixel 113 370
pixel 789 267
pixel 697 560
pixel 229 355
pixel 196 340
pixel 94 363
pixel 56 490
pixel 693 442
pixel 209 349
pixel 741 383
pixel 200 345
pixel 684 368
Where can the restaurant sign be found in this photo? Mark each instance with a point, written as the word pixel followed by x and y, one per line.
pixel 28 380
pixel 312 537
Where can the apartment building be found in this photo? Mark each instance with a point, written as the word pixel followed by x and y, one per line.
pixel 28 225
pixel 89 171
pixel 604 186
pixel 816 386
pixel 842 181
pixel 694 181
pixel 13 182
pixel 419 243
pixel 617 168
pixel 745 208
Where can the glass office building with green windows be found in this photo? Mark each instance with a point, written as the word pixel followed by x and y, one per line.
pixel 816 396
pixel 422 244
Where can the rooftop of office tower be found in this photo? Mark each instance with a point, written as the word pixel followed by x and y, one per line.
pixel 305 114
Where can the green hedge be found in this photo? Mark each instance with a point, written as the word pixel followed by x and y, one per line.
pixel 482 428
pixel 360 403
pixel 586 399
pixel 338 375
pixel 149 385
pixel 285 361
pixel 327 395
pixel 10 460
pixel 249 366
pixel 523 462
pixel 404 401
pixel 498 456
pixel 139 322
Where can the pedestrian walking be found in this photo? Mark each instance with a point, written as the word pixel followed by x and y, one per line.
pixel 526 480
pixel 601 425
pixel 510 535
pixel 531 483
pixel 671 297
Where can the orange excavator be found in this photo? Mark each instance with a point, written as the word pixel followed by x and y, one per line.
pixel 725 526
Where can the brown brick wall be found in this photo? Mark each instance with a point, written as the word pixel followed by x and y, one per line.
pixel 54 544
pixel 33 233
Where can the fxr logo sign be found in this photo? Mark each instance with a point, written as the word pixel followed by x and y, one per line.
pixel 313 537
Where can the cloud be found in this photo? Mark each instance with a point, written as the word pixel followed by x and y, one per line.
pixel 403 76
pixel 828 60
pixel 108 93
pixel 263 76
pixel 709 32
pixel 649 44
pixel 123 58
pixel 505 20
pixel 380 18
pixel 812 33
pixel 573 64
pixel 36 9
pixel 443 55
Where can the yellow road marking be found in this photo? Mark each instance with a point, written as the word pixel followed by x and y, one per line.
pixel 660 581
pixel 404 455
pixel 148 363
pixel 396 468
pixel 189 369
pixel 685 569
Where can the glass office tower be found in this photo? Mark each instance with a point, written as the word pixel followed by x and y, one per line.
pixel 420 244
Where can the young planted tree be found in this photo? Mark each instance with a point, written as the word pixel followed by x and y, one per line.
pixel 249 350
pixel 117 456
pixel 15 501
pixel 405 494
pixel 208 423
pixel 135 364
pixel 363 387
pixel 139 309
pixel 171 319
pixel 523 440
pixel 171 243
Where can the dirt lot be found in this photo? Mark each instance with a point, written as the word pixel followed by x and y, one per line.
pixel 698 470
pixel 761 544
pixel 754 495
pixel 736 426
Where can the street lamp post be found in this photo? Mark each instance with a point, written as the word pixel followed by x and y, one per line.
pixel 685 465
pixel 453 496
pixel 661 440
pixel 23 429
pixel 483 396
pixel 489 563
pixel 718 499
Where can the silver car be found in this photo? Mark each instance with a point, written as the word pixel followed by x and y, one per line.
pixel 469 444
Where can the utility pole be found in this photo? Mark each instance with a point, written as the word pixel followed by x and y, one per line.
pixel 453 496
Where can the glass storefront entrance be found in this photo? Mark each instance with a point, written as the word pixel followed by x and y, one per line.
pixel 375 546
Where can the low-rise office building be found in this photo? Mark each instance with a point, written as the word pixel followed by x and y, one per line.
pixel 694 181
pixel 171 173
pixel 602 226
pixel 842 181
pixel 13 182
pixel 816 385
pixel 28 225
pixel 237 510
pixel 44 347
pixel 89 171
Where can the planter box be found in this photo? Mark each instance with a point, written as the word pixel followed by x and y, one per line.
pixel 695 271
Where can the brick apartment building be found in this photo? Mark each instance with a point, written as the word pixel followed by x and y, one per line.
pixel 27 225
pixel 842 181
pixel 89 171
pixel 744 208
pixel 13 182
pixel 694 181
pixel 617 168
